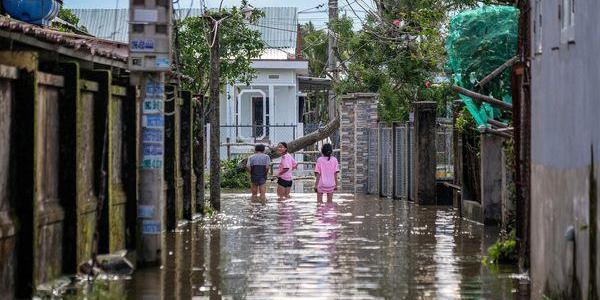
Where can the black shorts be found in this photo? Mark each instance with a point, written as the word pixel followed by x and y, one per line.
pixel 284 183
pixel 258 181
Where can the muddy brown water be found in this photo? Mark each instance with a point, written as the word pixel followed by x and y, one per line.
pixel 363 248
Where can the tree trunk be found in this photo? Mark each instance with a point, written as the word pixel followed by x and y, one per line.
pixel 215 124
pixel 310 139
pixel 303 142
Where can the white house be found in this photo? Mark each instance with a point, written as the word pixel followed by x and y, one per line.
pixel 269 110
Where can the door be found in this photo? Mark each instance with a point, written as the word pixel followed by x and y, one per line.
pixel 258 111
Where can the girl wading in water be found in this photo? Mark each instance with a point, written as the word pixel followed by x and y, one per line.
pixel 326 172
pixel 284 175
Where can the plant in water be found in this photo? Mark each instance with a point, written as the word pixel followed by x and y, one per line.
pixel 503 251
pixel 208 209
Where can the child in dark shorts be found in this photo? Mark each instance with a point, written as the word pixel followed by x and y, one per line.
pixel 258 166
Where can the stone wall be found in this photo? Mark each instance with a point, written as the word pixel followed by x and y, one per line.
pixel 359 114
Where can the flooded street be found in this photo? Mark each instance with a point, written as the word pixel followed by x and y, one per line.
pixel 363 248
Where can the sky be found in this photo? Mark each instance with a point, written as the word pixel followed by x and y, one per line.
pixel 310 13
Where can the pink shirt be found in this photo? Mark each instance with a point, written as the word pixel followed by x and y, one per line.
pixel 327 168
pixel 287 162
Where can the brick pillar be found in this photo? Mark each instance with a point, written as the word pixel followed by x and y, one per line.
pixel 347 140
pixel 425 152
pixel 359 114
pixel 367 117
pixel 491 178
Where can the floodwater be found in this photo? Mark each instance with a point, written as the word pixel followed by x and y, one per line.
pixel 364 248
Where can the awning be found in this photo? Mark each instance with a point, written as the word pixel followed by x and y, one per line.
pixel 314 83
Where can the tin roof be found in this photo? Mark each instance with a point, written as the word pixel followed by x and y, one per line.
pixel 278 27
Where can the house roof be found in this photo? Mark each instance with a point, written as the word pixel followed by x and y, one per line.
pixel 69 44
pixel 278 27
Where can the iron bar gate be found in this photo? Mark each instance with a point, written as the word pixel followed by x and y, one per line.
pixel 391 160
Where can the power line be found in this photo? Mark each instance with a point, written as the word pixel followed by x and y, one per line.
pixel 275 28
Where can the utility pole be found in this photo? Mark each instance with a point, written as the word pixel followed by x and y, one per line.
pixel 332 63
pixel 214 115
pixel 150 31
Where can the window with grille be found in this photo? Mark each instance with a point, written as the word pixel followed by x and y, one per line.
pixel 537 27
pixel 567 21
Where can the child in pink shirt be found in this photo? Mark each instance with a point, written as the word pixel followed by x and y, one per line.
pixel 326 172
pixel 284 174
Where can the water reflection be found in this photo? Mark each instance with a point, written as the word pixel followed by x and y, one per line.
pixel 363 248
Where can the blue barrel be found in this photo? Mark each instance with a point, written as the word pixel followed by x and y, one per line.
pixel 40 12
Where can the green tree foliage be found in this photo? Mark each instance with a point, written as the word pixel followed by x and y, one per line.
pixel 398 52
pixel 73 20
pixel 314 48
pixel 231 176
pixel 68 16
pixel 239 45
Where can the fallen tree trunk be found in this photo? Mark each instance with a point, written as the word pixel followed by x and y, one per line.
pixel 301 143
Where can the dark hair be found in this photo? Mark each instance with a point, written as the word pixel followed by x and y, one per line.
pixel 327 151
pixel 259 148
pixel 284 144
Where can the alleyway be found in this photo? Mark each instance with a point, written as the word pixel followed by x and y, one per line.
pixel 350 249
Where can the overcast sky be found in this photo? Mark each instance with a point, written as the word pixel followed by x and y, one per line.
pixel 316 15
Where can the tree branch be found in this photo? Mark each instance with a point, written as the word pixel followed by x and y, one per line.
pixel 483 98
pixel 496 72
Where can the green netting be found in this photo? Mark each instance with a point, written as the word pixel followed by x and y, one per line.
pixel 479 41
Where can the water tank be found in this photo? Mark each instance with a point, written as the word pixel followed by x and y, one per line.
pixel 39 12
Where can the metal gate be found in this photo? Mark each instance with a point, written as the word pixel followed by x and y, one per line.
pixel 386 162
pixel 445 160
pixel 372 181
pixel 401 162
pixel 391 152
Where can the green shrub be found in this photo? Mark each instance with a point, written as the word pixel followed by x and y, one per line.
pixel 232 177
pixel 503 251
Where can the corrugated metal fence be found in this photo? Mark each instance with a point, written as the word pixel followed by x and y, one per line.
pixel 392 159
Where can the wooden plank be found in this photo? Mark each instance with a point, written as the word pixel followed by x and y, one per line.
pixel 119 91
pixel 27 60
pixel 50 79
pixel 8 72
pixel 89 86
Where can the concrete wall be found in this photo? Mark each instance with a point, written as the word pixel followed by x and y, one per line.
pixel 359 113
pixel 425 152
pixel 491 178
pixel 565 137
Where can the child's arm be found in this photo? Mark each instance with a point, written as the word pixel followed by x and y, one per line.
pixel 282 171
pixel 336 180
pixel 317 178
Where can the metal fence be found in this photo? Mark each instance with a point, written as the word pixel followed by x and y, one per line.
pixel 386 152
pixel 373 161
pixel 391 155
pixel 401 162
pixel 445 166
